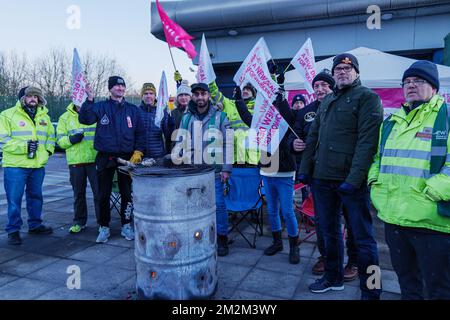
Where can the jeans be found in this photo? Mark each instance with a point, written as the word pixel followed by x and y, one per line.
pixel 16 182
pixel 221 210
pixel 78 179
pixel 280 193
pixel 421 258
pixel 328 205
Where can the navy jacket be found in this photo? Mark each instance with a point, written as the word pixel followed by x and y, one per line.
pixel 119 126
pixel 155 145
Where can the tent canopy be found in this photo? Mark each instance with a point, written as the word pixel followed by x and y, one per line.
pixel 377 70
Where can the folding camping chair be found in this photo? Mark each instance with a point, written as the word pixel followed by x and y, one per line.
pixel 244 199
pixel 305 212
pixel 115 199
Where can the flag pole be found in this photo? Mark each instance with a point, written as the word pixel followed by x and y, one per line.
pixel 287 68
pixel 173 61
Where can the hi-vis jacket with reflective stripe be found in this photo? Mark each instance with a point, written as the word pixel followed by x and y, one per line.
pixel 68 124
pixel 242 153
pixel 399 181
pixel 16 128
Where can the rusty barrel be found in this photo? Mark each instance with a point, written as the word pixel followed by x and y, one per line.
pixel 175 232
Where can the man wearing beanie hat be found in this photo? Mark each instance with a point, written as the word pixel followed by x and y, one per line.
pixel 157 139
pixel 340 146
pixel 410 179
pixel 183 97
pixel 298 102
pixel 27 137
pixel 119 134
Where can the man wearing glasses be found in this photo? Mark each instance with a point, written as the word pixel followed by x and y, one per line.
pixel 410 186
pixel 339 150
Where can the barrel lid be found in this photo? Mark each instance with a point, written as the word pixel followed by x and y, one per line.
pixel 162 171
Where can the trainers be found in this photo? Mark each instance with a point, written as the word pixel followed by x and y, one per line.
pixel 76 228
pixel 103 235
pixel 41 230
pixel 127 232
pixel 323 285
pixel 14 238
pixel 350 272
pixel 319 267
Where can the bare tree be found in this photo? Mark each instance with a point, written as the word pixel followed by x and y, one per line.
pixel 13 73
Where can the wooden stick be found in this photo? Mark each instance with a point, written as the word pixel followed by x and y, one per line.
pixel 173 61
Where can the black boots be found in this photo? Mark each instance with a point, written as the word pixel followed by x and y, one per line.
pixel 277 244
pixel 294 251
pixel 222 245
pixel 14 238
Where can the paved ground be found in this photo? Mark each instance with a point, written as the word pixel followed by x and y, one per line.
pixel 38 268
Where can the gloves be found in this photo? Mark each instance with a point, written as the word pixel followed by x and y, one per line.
pixel 347 188
pixel 32 146
pixel 304 178
pixel 76 138
pixel 237 94
pixel 272 67
pixel 136 157
pixel 177 77
pixel 280 79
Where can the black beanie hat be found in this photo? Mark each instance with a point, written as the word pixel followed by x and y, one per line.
pixel 425 70
pixel 346 58
pixel 298 97
pixel 251 88
pixel 115 80
pixel 324 75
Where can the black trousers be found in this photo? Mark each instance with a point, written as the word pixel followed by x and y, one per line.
pixel 421 260
pixel 78 179
pixel 106 169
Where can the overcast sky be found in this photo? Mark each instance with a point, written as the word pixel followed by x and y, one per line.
pixel 118 28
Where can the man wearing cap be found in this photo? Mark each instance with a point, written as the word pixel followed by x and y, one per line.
pixel 183 97
pixel 323 85
pixel 203 115
pixel 410 186
pixel 27 138
pixel 243 156
pixel 119 134
pixel 158 139
pixel 78 142
pixel 339 150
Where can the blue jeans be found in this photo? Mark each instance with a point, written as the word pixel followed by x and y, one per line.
pixel 15 181
pixel 328 204
pixel 221 210
pixel 280 192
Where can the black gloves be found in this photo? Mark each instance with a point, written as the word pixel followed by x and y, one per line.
pixel 237 94
pixel 280 79
pixel 76 138
pixel 272 67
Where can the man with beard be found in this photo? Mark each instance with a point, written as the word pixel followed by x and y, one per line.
pixel 339 150
pixel 27 138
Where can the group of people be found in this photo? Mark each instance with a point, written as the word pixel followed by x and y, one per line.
pixel 340 148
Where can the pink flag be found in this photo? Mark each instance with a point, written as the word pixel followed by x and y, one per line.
pixel 175 35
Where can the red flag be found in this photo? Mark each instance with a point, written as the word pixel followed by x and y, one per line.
pixel 175 35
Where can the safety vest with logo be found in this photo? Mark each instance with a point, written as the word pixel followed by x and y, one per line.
pixel 17 128
pixel 242 151
pixel 68 125
pixel 401 175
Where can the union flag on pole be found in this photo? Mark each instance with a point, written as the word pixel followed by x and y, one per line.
pixel 175 35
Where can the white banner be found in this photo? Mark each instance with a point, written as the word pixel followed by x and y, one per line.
pixel 268 123
pixel 254 70
pixel 78 93
pixel 205 71
pixel 163 98
pixel 305 63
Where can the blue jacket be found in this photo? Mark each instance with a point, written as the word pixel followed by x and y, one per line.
pixel 119 126
pixel 155 145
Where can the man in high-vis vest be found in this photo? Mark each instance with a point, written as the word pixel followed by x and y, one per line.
pixel 410 186
pixel 27 138
pixel 78 141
